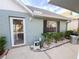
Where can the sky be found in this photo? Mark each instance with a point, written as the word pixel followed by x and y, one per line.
pixel 44 5
pixel 35 2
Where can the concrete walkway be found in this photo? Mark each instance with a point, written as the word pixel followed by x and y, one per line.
pixel 66 51
pixel 25 53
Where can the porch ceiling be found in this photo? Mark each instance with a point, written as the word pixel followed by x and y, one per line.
pixel 68 4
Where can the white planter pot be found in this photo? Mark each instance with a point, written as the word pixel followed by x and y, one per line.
pixel 74 39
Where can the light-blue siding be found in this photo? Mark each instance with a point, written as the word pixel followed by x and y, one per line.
pixel 33 27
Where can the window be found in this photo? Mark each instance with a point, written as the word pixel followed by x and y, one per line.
pixel 18 25
pixel 50 26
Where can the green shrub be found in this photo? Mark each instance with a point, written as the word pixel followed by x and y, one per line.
pixel 57 36
pixel 68 33
pixel 61 34
pixel 47 37
pixel 2 44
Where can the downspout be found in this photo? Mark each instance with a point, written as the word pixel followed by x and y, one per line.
pixel 67 24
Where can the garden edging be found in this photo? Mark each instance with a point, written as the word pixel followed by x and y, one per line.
pixel 57 45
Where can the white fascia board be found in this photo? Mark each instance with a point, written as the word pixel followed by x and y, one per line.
pixel 63 18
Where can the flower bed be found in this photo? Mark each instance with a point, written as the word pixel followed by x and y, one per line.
pixel 52 40
pixel 53 45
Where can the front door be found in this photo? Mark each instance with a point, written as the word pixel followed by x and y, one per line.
pixel 17 31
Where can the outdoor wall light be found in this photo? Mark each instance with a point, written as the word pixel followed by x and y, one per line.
pixel 30 18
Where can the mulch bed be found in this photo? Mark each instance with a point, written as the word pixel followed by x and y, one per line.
pixel 4 53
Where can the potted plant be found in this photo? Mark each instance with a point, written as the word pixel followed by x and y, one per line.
pixel 2 44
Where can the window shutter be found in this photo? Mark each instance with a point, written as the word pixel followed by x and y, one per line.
pixel 58 26
pixel 44 26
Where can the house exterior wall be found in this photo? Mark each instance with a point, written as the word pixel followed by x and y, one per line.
pixel 73 25
pixel 63 26
pixel 11 5
pixel 33 28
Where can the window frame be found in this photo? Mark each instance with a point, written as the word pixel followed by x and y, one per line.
pixel 45 26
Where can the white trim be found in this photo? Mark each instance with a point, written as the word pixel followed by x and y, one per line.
pixel 11 27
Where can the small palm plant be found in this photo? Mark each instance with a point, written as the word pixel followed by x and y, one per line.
pixel 47 37
pixel 2 44
pixel 57 36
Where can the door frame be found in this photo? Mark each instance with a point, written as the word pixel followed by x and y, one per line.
pixel 11 28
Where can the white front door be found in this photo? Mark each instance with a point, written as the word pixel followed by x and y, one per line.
pixel 17 31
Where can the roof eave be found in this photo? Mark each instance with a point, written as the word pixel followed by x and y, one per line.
pixel 24 6
pixel 43 16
